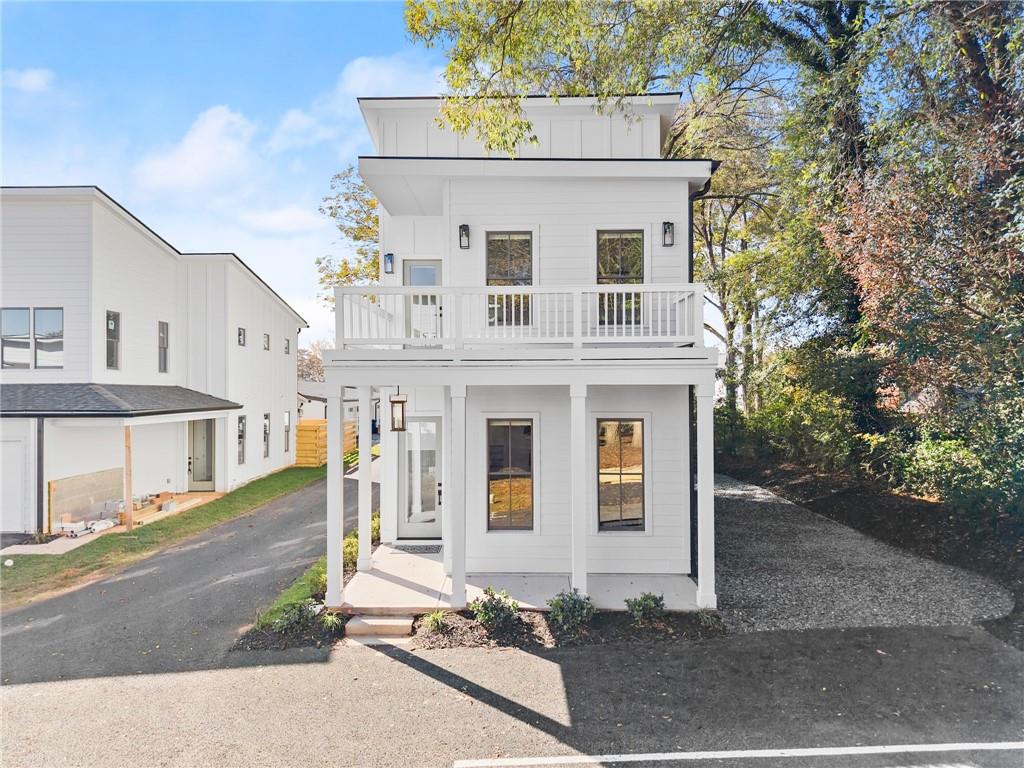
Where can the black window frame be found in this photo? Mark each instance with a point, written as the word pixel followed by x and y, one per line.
pixel 266 342
pixel 26 339
pixel 503 309
pixel 620 524
pixel 618 309
pixel 240 436
pixel 241 336
pixel 266 435
pixel 115 340
pixel 163 346
pixel 36 338
pixel 509 475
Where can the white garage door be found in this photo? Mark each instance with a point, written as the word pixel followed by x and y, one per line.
pixel 13 499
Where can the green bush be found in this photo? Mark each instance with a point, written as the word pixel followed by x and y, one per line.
pixel 495 610
pixel 332 622
pixel 947 469
pixel 294 616
pixel 571 610
pixel 436 621
pixel 645 608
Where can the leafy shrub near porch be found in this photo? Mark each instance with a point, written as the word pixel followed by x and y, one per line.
pixel 571 610
pixel 495 610
pixel 645 608
pixel 436 621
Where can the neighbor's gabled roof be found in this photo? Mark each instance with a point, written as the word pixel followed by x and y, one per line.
pixel 104 400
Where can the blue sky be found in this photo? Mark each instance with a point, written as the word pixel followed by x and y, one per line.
pixel 218 124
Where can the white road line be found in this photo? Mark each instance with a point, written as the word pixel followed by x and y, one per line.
pixel 735 754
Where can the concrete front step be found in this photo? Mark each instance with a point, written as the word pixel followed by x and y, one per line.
pixel 379 626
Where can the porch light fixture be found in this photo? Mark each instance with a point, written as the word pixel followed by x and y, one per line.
pixel 463 236
pixel 668 234
pixel 398 401
pixel 389 263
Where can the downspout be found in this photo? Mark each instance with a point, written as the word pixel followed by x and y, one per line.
pixel 40 475
pixel 691 394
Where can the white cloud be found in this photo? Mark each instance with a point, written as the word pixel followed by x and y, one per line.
pixel 288 220
pixel 214 151
pixel 28 80
pixel 298 128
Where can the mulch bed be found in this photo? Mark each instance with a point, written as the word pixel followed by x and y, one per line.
pixel 926 528
pixel 311 634
pixel 533 631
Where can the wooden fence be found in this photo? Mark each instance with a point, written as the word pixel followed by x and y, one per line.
pixel 311 441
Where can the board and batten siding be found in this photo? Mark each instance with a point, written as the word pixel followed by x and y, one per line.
pixel 47 262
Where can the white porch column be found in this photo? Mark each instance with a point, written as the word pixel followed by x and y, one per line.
pixel 388 468
pixel 457 496
pixel 706 496
pixel 579 510
pixel 365 478
pixel 446 482
pixel 335 495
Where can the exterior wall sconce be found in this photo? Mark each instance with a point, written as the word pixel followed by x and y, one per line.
pixel 398 402
pixel 389 263
pixel 668 234
pixel 464 236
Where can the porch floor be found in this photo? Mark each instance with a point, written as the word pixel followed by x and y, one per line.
pixel 404 583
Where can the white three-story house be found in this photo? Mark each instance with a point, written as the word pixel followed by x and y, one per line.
pixel 537 327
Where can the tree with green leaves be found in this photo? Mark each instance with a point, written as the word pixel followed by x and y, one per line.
pixel 353 208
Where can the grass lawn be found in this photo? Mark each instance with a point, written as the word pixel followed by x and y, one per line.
pixel 32 575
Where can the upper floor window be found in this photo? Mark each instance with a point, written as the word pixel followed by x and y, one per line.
pixel 15 327
pixel 620 261
pixel 287 346
pixel 266 342
pixel 162 345
pixel 266 435
pixel 620 474
pixel 509 262
pixel 241 337
pixel 510 474
pixel 48 333
pixel 113 340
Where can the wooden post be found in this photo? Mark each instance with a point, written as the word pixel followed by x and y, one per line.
pixel 129 509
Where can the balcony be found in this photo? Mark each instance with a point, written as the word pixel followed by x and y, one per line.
pixel 524 317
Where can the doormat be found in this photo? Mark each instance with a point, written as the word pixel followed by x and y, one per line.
pixel 419 549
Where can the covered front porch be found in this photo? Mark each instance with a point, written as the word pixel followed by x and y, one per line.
pixel 673 554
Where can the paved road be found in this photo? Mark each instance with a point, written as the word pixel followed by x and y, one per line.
pixel 178 610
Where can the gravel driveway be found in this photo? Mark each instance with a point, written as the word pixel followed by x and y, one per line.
pixel 781 566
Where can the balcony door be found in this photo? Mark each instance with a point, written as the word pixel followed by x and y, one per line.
pixel 620 262
pixel 423 312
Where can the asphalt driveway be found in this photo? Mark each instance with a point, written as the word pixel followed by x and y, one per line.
pixel 178 610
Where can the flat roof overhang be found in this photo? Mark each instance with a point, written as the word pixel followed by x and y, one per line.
pixel 412 186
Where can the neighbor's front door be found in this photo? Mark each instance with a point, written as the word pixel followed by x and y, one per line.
pixel 420 507
pixel 200 455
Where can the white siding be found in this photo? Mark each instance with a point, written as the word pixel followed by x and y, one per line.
pixel 18 481
pixel 46 250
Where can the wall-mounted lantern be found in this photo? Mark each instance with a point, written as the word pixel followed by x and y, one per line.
pixel 389 263
pixel 464 236
pixel 668 234
pixel 398 402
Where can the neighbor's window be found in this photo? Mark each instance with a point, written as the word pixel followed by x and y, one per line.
pixel 620 261
pixel 266 435
pixel 48 332
pixel 266 341
pixel 620 474
pixel 162 342
pixel 241 439
pixel 509 262
pixel 113 340
pixel 287 430
pixel 16 342
pixel 509 474
pixel 287 346
pixel 241 337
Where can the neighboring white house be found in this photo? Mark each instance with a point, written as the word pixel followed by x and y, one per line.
pixel 540 317
pixel 111 336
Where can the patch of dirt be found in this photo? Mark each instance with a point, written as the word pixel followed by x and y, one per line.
pixel 533 630
pixel 310 634
pixel 993 548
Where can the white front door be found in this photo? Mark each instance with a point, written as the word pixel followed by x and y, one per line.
pixel 423 312
pixel 420 505
pixel 200 455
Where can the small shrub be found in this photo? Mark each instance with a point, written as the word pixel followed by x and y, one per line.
pixel 436 621
pixel 332 622
pixel 647 607
pixel 495 610
pixel 295 616
pixel 350 550
pixel 710 620
pixel 571 610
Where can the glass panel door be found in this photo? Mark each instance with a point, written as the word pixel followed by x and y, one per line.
pixel 423 312
pixel 200 455
pixel 420 510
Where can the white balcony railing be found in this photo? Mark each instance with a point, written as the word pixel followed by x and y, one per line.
pixel 472 317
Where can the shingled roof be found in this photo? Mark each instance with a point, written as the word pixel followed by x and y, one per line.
pixel 104 400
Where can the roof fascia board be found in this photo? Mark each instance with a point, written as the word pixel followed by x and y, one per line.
pixel 700 169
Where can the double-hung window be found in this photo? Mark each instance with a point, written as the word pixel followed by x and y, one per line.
pixel 509 263
pixel 162 345
pixel 266 435
pixel 48 336
pixel 620 261
pixel 510 474
pixel 113 340
pixel 15 327
pixel 620 474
